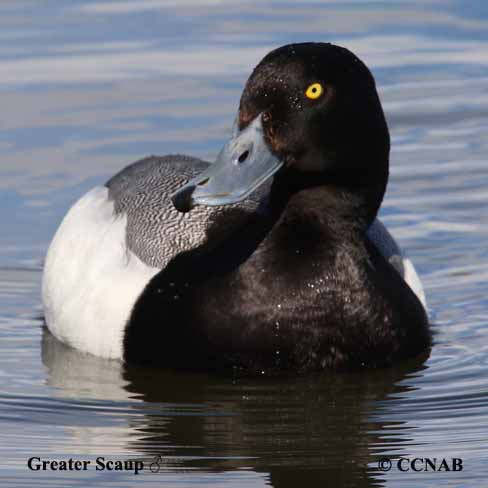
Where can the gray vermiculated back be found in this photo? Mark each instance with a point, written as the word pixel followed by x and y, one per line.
pixel 156 231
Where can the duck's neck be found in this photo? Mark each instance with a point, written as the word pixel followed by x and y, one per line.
pixel 313 201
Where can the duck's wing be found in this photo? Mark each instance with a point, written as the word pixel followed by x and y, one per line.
pixel 388 247
pixel 155 230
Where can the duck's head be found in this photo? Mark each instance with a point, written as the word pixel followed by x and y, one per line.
pixel 309 115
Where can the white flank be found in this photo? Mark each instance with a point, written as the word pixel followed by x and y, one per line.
pixel 388 247
pixel 413 280
pixel 91 280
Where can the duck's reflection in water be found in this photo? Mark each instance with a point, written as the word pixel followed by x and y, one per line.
pixel 300 431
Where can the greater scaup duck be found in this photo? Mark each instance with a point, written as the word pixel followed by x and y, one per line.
pixel 270 259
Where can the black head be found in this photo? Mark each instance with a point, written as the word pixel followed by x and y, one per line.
pixel 336 131
pixel 316 108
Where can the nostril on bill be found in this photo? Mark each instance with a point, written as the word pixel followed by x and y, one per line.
pixel 243 156
pixel 203 182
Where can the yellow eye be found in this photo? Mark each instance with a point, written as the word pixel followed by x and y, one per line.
pixel 314 91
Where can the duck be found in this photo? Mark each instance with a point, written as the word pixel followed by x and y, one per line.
pixel 269 260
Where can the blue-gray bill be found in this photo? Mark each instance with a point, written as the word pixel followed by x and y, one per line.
pixel 244 164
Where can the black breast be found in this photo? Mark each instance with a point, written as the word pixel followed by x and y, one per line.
pixel 279 295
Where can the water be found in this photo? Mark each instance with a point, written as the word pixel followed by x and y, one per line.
pixel 87 87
